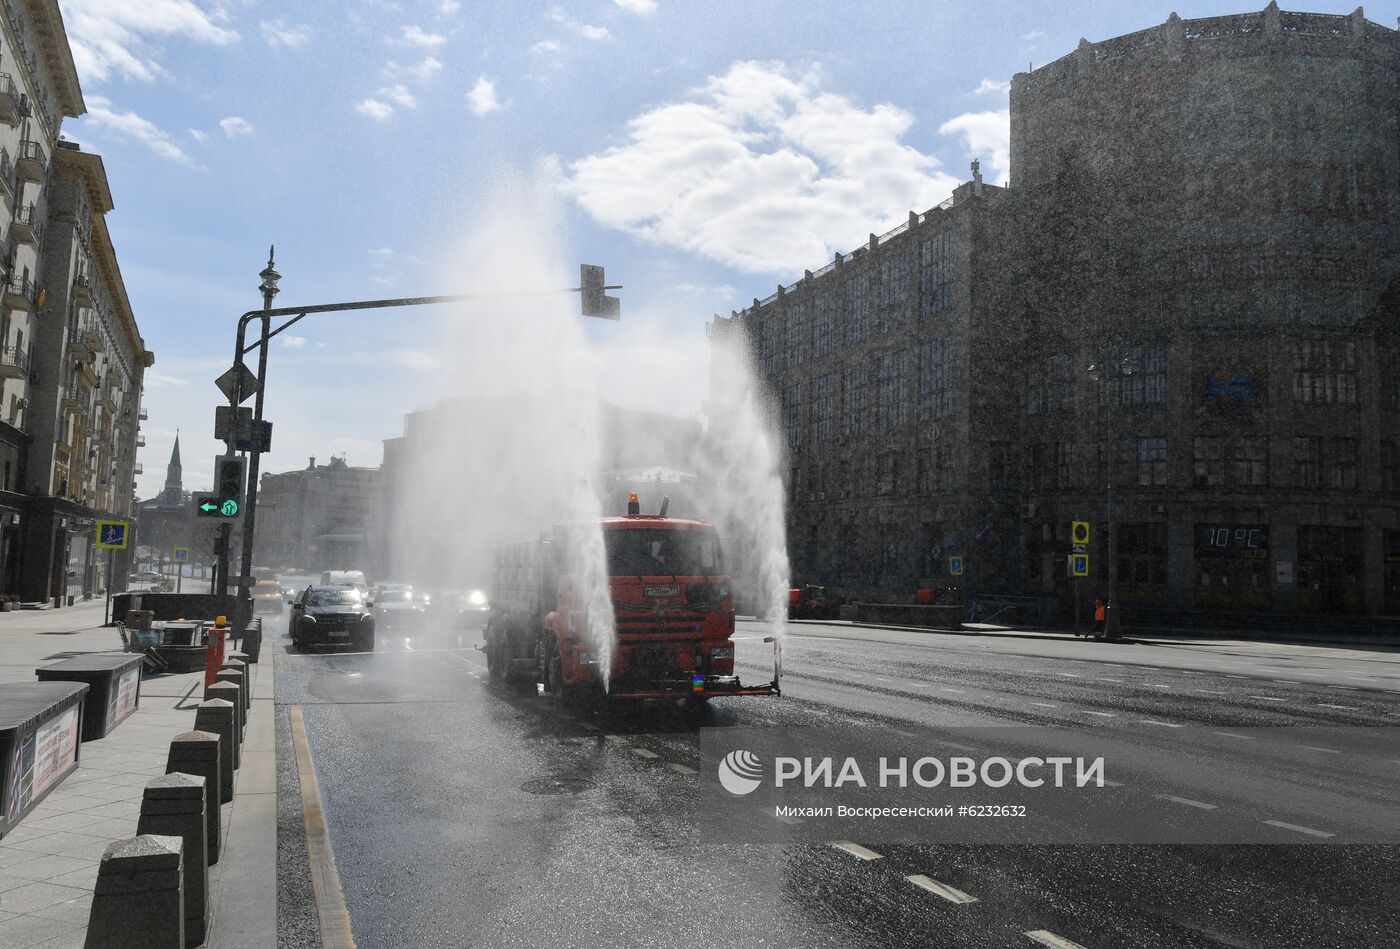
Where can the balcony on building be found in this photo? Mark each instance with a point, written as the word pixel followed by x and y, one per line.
pixel 82 289
pixel 14 363
pixel 90 334
pixel 31 163
pixel 140 441
pixel 75 397
pixel 7 173
pixel 138 468
pixel 141 414
pixel 19 292
pixel 11 109
pixel 27 227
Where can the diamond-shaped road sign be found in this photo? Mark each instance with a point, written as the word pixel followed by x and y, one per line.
pixel 229 380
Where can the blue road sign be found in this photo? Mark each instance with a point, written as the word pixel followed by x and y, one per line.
pixel 180 554
pixel 112 535
pixel 955 566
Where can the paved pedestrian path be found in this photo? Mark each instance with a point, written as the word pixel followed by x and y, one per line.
pixel 48 864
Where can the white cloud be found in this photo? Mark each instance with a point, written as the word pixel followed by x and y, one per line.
pixel 585 30
pixel 992 85
pixel 545 46
pixel 401 96
pixel 279 32
pixel 102 115
pixel 1032 36
pixel 160 379
pixel 637 6
pixel 236 127
pixel 374 109
pixel 420 72
pixel 112 37
pixel 762 170
pixel 988 136
pixel 199 136
pixel 449 7
pixel 594 33
pixel 415 35
pixel 482 98
pixel 293 342
pixel 383 253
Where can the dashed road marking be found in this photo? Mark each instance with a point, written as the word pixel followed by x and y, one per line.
pixel 1201 805
pixel 1211 691
pixel 1232 676
pixel 1187 672
pixel 788 819
pixel 1047 938
pixel 1234 735
pixel 1045 704
pixel 954 691
pixel 951 894
pixel 1298 828
pixel 1111 784
pixel 1108 680
pixel 680 768
pixel 1156 685
pixel 1316 674
pixel 1100 714
pixel 1153 721
pixel 644 753
pixel 1267 698
pixel 618 738
pixel 1344 708
pixel 855 850
pixel 1069 675
pixel 1330 751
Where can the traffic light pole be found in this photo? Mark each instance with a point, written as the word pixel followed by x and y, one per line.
pixel 595 303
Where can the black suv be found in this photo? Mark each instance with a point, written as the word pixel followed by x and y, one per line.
pixel 332 616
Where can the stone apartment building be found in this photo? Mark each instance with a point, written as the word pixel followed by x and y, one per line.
pixel 1178 322
pixel 72 359
pixel 317 518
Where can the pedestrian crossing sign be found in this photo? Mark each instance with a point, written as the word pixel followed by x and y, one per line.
pixel 955 566
pixel 111 535
pixel 1079 565
pixel 180 554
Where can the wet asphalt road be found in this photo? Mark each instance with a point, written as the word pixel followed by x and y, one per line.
pixel 425 770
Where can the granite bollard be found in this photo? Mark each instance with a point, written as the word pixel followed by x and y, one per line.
pixel 237 665
pixel 228 692
pixel 234 679
pixel 217 716
pixel 138 902
pixel 197 753
pixel 172 805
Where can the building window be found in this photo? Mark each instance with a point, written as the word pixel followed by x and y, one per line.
pixel 894 290
pixel 1142 375
pixel 853 418
pixel 857 308
pixel 1307 461
pixel 1250 462
pixel 1152 461
pixel 795 324
pixel 935 368
pixel 892 381
pixel 889 473
pixel 1036 473
pixel 1065 475
pixel 824 325
pixel 1341 464
pixel 767 346
pixel 1390 474
pixel 923 471
pixel 1324 370
pixel 999 465
pixel 823 406
pixel 792 414
pixel 936 273
pixel 1208 461
pixel 942 467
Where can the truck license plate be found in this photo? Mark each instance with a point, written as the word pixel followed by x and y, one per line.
pixel 340 635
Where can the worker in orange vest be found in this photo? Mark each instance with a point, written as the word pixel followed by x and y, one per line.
pixel 1098 617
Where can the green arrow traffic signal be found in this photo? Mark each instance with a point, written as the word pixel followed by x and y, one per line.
pixel 206 506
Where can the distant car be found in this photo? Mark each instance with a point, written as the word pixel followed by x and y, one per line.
pixel 288 594
pixel 332 615
pixel 466 608
pixel 267 597
pixel 399 609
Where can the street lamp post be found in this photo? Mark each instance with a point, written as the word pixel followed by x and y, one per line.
pixel 1112 622
pixel 595 303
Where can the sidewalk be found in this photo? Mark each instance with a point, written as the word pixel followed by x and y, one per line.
pixel 48 864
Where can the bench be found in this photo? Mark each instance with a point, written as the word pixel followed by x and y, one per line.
pixel 114 688
pixel 39 727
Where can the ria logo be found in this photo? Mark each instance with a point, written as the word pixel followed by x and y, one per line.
pixel 739 772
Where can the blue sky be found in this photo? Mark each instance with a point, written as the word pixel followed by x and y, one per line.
pixel 703 152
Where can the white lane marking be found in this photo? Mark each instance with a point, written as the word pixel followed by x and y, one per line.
pixel 786 819
pixel 680 768
pixel 1211 691
pixel 1108 680
pixel 954 691
pixel 1234 735
pixel 951 894
pixel 1187 672
pixel 616 738
pixel 1229 676
pixel 1100 714
pixel 1298 828
pixel 1045 704
pixel 1330 751
pixel 1267 698
pixel 1344 688
pixel 1111 784
pixel 1153 721
pixel 1046 938
pixel 1344 708
pixel 644 753
pixel 920 685
pixel 855 850
pixel 408 645
pixel 1069 675
pixel 1318 674
pixel 1156 685
pixel 878 679
pixel 1202 805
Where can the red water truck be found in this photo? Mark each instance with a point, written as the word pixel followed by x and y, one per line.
pixel 672 607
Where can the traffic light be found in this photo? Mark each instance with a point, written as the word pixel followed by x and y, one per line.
pixel 595 301
pixel 227 499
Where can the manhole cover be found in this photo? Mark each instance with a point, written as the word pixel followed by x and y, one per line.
pixel 561 785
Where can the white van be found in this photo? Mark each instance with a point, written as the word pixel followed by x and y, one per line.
pixel 354 578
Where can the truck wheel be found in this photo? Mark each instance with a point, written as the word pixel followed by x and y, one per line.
pixel 495 662
pixel 560 694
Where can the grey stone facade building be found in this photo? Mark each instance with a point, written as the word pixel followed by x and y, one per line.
pixel 317 518
pixel 1178 322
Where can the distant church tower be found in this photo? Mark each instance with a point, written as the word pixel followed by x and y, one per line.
pixel 174 484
